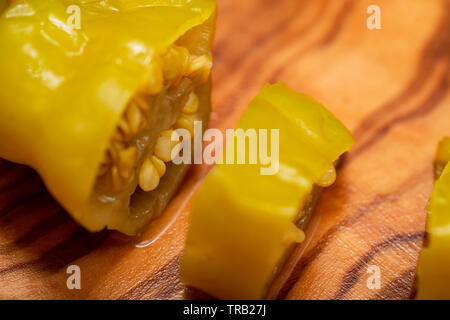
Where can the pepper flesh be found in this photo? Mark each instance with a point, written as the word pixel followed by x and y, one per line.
pixel 433 273
pixel 65 89
pixel 244 223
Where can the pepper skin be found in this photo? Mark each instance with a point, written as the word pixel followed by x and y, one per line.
pixel 243 224
pixel 433 273
pixel 442 156
pixel 65 89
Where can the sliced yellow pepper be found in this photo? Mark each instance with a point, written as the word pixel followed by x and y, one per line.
pixel 243 223
pixel 442 156
pixel 64 88
pixel 433 274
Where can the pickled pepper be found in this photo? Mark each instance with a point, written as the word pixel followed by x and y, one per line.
pixel 89 91
pixel 243 223
pixel 442 156
pixel 433 273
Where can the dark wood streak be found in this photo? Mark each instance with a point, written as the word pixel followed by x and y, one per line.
pixel 23 201
pixel 15 267
pixel 19 183
pixel 257 41
pixel 325 41
pixel 167 292
pixel 155 286
pixel 399 288
pixel 227 107
pixel 224 42
pixel 42 228
pixel 23 208
pixel 39 230
pixel 361 212
pixel 28 190
pixel 352 276
pixel 423 109
pixel 21 175
pixel 437 48
pixel 79 244
pixel 337 25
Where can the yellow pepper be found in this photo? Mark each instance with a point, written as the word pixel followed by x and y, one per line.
pixel 442 156
pixel 244 223
pixel 72 70
pixel 433 274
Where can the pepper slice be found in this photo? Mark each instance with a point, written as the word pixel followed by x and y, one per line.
pixel 433 273
pixel 243 223
pixel 87 105
pixel 442 156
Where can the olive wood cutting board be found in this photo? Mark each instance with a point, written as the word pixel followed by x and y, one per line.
pixel 389 86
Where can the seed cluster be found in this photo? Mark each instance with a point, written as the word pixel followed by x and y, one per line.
pixel 119 166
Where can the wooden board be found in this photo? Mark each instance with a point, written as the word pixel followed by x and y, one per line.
pixel 389 86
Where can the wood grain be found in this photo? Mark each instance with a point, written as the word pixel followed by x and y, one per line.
pixel 389 86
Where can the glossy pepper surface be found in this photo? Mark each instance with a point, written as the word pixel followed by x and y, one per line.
pixel 442 156
pixel 243 223
pixel 433 274
pixel 65 88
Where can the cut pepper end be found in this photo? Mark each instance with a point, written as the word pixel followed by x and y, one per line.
pixel 433 270
pixel 90 88
pixel 242 223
